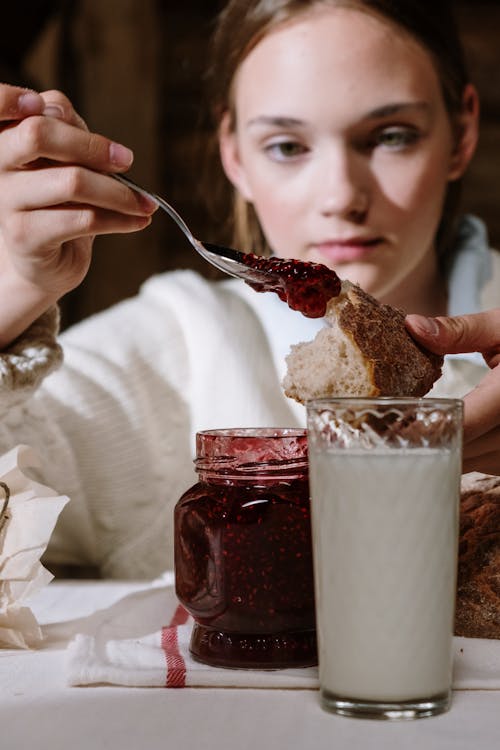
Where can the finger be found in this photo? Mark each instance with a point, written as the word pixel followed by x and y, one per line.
pixel 58 105
pixel 52 186
pixel 479 332
pixel 49 138
pixel 16 103
pixel 52 227
pixel 488 463
pixel 485 443
pixel 482 406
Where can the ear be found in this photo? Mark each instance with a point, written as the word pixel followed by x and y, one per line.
pixel 467 133
pixel 230 157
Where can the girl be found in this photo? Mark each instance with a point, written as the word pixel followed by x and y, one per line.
pixel 344 128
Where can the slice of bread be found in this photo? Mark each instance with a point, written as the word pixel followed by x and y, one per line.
pixel 364 350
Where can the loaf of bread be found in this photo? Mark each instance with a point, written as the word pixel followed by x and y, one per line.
pixel 478 584
pixel 363 350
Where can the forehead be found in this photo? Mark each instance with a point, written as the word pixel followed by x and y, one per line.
pixel 348 54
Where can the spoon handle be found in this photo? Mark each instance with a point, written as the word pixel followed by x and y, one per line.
pixel 162 203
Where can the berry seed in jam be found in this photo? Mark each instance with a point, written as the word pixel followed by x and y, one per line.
pixel 243 557
pixel 306 287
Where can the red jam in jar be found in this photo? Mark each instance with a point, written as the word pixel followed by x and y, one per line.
pixel 243 559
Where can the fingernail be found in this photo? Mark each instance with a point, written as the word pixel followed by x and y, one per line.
pixel 120 156
pixel 30 103
pixel 54 110
pixel 425 325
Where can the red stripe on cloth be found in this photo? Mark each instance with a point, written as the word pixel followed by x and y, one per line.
pixel 181 616
pixel 176 667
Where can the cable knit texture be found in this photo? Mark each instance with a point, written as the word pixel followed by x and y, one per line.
pixel 29 359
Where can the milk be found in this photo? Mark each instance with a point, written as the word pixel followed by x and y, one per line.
pixel 385 537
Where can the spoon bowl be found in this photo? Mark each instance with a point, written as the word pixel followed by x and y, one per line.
pixel 306 287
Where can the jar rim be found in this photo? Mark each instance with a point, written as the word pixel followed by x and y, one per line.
pixel 251 451
pixel 259 432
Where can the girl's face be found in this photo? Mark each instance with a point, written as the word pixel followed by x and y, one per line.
pixel 343 145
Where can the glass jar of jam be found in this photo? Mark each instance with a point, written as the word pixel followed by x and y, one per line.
pixel 243 558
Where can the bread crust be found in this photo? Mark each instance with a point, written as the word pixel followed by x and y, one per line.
pixel 398 365
pixel 363 350
pixel 478 582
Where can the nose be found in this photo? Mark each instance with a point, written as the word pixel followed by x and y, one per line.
pixel 344 185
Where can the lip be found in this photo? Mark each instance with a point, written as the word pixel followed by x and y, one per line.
pixel 348 250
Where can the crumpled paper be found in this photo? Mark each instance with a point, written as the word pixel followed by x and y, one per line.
pixel 28 514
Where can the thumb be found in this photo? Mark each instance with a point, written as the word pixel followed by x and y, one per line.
pixel 479 332
pixel 16 103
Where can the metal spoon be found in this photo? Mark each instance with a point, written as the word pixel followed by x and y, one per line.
pixel 224 258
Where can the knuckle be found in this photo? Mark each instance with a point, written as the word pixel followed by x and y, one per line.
pixel 32 134
pixel 97 149
pixel 129 199
pixel 53 96
pixel 85 219
pixel 74 181
pixel 453 332
pixel 456 329
pixel 14 227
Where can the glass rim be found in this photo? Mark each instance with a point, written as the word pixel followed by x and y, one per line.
pixel 431 401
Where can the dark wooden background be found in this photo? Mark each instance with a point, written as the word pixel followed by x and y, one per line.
pixel 134 69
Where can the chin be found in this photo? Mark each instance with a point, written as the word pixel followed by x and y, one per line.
pixel 364 277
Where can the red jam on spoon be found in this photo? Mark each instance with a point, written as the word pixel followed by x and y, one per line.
pixel 306 287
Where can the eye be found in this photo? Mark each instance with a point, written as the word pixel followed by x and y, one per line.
pixel 285 150
pixel 396 138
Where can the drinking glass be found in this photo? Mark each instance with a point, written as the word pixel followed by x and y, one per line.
pixel 385 490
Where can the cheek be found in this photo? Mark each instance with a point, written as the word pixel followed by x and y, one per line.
pixel 416 190
pixel 276 218
pixel 278 204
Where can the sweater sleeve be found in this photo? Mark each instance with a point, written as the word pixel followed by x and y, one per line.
pixel 29 359
pixel 111 428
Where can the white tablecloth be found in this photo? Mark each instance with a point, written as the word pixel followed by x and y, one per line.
pixel 38 710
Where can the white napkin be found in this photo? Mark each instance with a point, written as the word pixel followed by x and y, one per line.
pixel 143 640
pixel 28 521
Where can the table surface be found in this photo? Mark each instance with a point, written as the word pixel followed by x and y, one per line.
pixel 39 710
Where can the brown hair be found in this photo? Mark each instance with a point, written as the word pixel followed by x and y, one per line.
pixel 243 23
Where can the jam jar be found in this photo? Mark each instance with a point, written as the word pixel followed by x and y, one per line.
pixel 243 558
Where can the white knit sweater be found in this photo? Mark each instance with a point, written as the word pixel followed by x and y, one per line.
pixel 115 426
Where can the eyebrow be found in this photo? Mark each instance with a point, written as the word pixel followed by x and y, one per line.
pixel 386 110
pixel 396 108
pixel 278 121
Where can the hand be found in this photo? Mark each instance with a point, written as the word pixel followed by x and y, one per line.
pixel 54 198
pixel 471 333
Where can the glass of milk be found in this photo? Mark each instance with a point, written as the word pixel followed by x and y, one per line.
pixel 385 490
